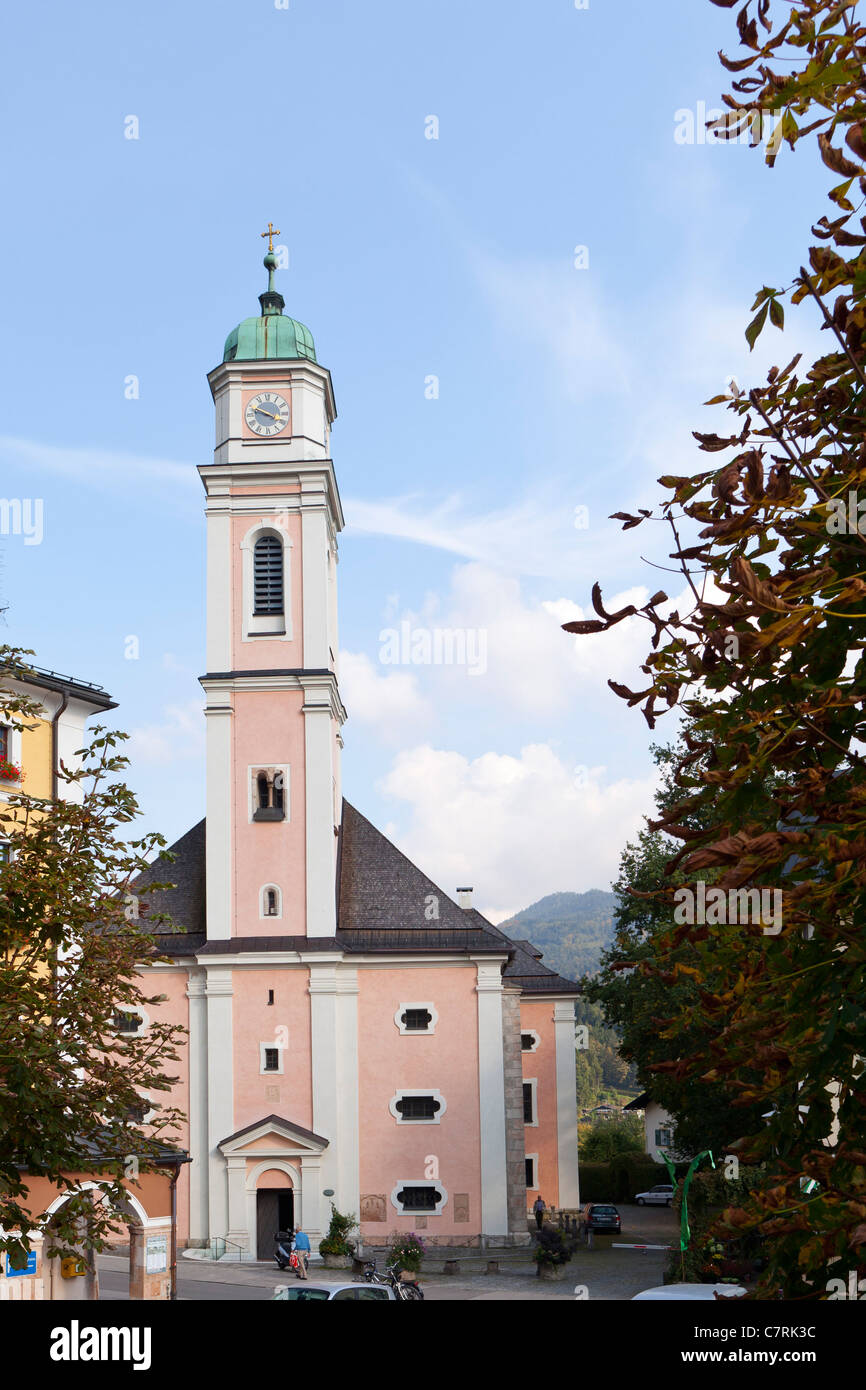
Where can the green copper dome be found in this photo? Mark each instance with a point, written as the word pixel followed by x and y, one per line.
pixel 273 333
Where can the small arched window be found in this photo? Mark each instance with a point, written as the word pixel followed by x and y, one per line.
pixel 277 791
pixel 270 901
pixel 268 576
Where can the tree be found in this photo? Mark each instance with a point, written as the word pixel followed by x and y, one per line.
pixel 767 666
pixel 643 984
pixel 607 1138
pixel 70 1083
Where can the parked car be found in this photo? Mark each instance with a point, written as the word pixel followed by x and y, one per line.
pixel 662 1195
pixel 705 1293
pixel 601 1216
pixel 296 1293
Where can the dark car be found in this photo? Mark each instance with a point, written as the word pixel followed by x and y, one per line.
pixel 601 1216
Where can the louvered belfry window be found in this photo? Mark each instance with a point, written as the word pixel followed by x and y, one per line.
pixel 268 575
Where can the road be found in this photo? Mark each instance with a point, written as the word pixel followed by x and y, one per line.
pixel 605 1273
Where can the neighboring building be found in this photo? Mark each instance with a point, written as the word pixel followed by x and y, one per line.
pixel 354 1033
pixel 53 736
pixel 30 760
pixel 658 1125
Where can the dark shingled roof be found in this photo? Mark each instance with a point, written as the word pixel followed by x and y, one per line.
pixel 381 906
pixel 639 1103
pixel 184 904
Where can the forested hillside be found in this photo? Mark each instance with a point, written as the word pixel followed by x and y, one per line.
pixel 571 929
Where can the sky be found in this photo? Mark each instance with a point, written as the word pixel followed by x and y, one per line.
pixel 525 266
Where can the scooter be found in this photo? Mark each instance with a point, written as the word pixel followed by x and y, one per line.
pixel 283 1248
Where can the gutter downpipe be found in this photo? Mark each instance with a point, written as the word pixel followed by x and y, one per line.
pixel 55 770
pixel 172 1294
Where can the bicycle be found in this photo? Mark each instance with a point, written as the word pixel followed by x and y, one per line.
pixel 404 1292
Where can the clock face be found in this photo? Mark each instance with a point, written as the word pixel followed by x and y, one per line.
pixel 266 413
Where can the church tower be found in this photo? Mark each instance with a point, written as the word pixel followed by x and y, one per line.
pixel 273 704
pixel 354 1034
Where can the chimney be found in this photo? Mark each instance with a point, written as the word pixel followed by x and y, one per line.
pixel 464 897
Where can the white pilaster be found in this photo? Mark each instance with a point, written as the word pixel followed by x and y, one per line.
pixel 198 1121
pixel 320 839
pixel 566 1104
pixel 219 813
pixel 315 1212
pixel 219 583
pixel 238 1230
pixel 491 1088
pixel 334 1026
pixel 314 542
pixel 220 1093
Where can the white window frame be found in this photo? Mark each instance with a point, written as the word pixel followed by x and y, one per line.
pixel 418 1182
pixel 271 770
pixel 271 625
pixel 143 1026
pixel 15 744
pixel 264 915
pixel 534 1185
pixel 269 1071
pixel 406 1092
pixel 533 1082
pixel 150 1113
pixel 536 1039
pixel 416 1032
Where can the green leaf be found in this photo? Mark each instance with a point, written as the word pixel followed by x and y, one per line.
pixel 755 327
pixel 777 313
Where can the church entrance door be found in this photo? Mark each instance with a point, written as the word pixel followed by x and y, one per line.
pixel 275 1211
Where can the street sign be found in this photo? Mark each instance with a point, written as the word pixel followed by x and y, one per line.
pixel 28 1268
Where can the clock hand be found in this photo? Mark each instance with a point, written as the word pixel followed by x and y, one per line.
pixel 260 410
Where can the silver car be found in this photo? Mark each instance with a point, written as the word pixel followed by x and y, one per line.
pixel 304 1291
pixel 662 1195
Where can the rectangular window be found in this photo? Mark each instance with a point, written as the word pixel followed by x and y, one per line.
pixel 530 1173
pixel 528 1106
pixel 418 1107
pixel 418 1198
pixel 664 1138
pixel 416 1020
pixel 4 740
pixel 5 852
pixel 272 1059
pixel 126 1022
pixel 526 1041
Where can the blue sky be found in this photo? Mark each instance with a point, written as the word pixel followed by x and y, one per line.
pixel 559 387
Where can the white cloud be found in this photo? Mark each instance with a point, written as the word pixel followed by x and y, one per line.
pixel 98 467
pixel 530 666
pixel 180 734
pixel 391 702
pixel 516 828
pixel 536 536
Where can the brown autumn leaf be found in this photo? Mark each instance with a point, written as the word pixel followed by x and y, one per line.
pixel 761 593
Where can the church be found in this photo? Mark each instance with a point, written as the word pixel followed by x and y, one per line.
pixel 356 1035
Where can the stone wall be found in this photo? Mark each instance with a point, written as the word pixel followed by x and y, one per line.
pixel 515 1144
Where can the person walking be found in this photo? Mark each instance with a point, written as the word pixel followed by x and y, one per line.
pixel 302 1247
pixel 539 1207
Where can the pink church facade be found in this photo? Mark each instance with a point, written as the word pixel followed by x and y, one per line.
pixel 354 1034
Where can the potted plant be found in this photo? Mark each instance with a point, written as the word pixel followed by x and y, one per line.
pixel 9 772
pixel 336 1249
pixel 408 1249
pixel 552 1253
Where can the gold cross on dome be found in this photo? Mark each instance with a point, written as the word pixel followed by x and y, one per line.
pixel 270 234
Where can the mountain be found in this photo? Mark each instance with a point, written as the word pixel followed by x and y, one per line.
pixel 571 929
